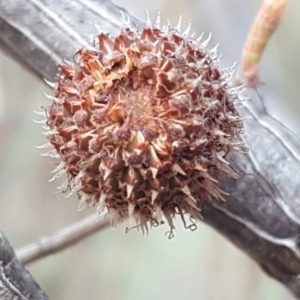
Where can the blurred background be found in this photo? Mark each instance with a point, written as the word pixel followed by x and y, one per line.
pixel 111 264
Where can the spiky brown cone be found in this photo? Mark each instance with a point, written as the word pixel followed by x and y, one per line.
pixel 143 122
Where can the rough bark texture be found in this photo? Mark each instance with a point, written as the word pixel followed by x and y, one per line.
pixel 15 282
pixel 262 214
pixel 40 33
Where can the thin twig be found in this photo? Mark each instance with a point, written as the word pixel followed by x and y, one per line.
pixel 61 240
pixel 264 25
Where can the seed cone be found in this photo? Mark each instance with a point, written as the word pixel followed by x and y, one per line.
pixel 142 123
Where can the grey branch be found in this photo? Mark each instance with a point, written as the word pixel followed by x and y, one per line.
pixel 262 214
pixel 61 240
pixel 15 282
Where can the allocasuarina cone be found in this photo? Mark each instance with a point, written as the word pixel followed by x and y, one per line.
pixel 143 122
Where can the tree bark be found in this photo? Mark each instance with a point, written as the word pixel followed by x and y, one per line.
pixel 15 282
pixel 262 214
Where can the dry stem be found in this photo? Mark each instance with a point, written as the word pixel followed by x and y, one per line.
pixel 61 240
pixel 266 22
